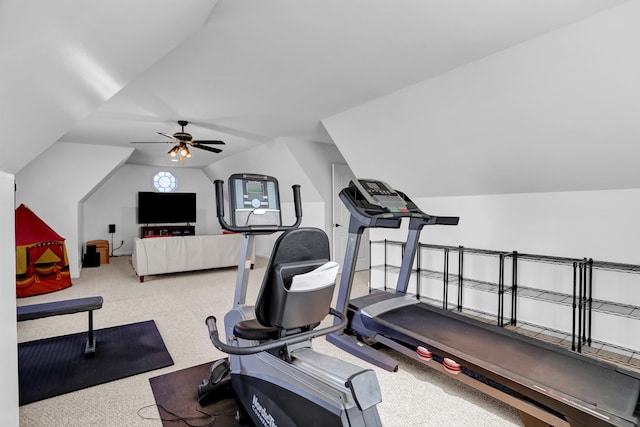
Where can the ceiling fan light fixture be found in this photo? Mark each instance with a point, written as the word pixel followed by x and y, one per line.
pixel 174 151
pixel 182 140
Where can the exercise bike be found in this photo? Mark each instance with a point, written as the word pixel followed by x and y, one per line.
pixel 277 377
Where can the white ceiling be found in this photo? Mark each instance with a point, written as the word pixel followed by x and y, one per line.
pixel 244 71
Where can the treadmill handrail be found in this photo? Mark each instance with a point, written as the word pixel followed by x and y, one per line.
pixel 387 219
pixel 426 219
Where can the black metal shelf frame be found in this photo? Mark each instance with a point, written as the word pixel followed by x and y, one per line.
pixel 580 298
pixel 464 282
pixel 446 275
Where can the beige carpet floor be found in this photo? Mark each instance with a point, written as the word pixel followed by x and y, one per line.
pixel 179 303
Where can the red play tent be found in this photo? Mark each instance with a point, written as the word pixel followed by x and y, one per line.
pixel 41 257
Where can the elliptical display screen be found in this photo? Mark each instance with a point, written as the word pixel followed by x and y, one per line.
pixel 255 200
pixel 255 187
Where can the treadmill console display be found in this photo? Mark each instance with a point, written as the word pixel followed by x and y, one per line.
pixel 254 200
pixel 381 195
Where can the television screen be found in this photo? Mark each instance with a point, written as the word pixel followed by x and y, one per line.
pixel 166 208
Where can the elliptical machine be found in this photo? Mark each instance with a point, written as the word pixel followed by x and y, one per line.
pixel 276 376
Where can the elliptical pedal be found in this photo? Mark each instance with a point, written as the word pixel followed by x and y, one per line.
pixel 218 385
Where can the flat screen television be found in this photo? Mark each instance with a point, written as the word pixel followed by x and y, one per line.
pixel 166 208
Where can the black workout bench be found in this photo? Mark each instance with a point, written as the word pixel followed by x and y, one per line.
pixel 57 308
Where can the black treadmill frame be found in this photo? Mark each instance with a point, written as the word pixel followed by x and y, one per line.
pixel 548 406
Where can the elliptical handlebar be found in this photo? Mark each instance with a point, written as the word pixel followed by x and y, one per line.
pixel 219 188
pixel 280 342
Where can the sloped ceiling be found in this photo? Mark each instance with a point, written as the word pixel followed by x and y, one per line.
pixel 556 113
pixel 247 72
pixel 61 60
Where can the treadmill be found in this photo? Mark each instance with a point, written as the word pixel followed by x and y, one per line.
pixel 548 384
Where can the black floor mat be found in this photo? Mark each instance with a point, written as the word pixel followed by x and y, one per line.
pixel 176 395
pixel 55 366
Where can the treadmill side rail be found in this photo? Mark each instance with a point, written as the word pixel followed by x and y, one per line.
pixel 526 408
pixel 381 307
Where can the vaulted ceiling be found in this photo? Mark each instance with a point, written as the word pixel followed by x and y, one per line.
pixel 243 71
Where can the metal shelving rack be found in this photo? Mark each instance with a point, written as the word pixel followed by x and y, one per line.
pixel 577 299
pixel 579 295
pixel 465 282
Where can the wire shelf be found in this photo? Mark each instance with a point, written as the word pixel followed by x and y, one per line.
pixel 580 300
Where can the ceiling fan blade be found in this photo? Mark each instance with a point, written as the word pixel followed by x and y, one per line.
pixel 152 142
pixel 207 148
pixel 168 136
pixel 200 141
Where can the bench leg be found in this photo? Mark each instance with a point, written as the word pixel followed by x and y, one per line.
pixel 90 348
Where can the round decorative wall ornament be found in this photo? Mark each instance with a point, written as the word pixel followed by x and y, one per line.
pixel 164 182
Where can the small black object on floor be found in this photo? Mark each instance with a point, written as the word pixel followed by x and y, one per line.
pixel 55 366
pixel 177 392
pixel 91 258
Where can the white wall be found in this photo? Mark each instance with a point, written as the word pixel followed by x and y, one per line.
pixel 316 159
pixel 598 224
pixel 55 183
pixel 8 349
pixel 602 225
pixel 115 202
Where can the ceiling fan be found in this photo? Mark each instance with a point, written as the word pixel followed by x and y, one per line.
pixel 182 141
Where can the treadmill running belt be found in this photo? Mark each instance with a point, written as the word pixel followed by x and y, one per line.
pixel 508 353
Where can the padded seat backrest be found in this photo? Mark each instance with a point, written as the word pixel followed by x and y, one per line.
pixel 295 252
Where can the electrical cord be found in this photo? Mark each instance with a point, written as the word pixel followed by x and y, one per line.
pixel 246 222
pixel 211 418
pixel 115 249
